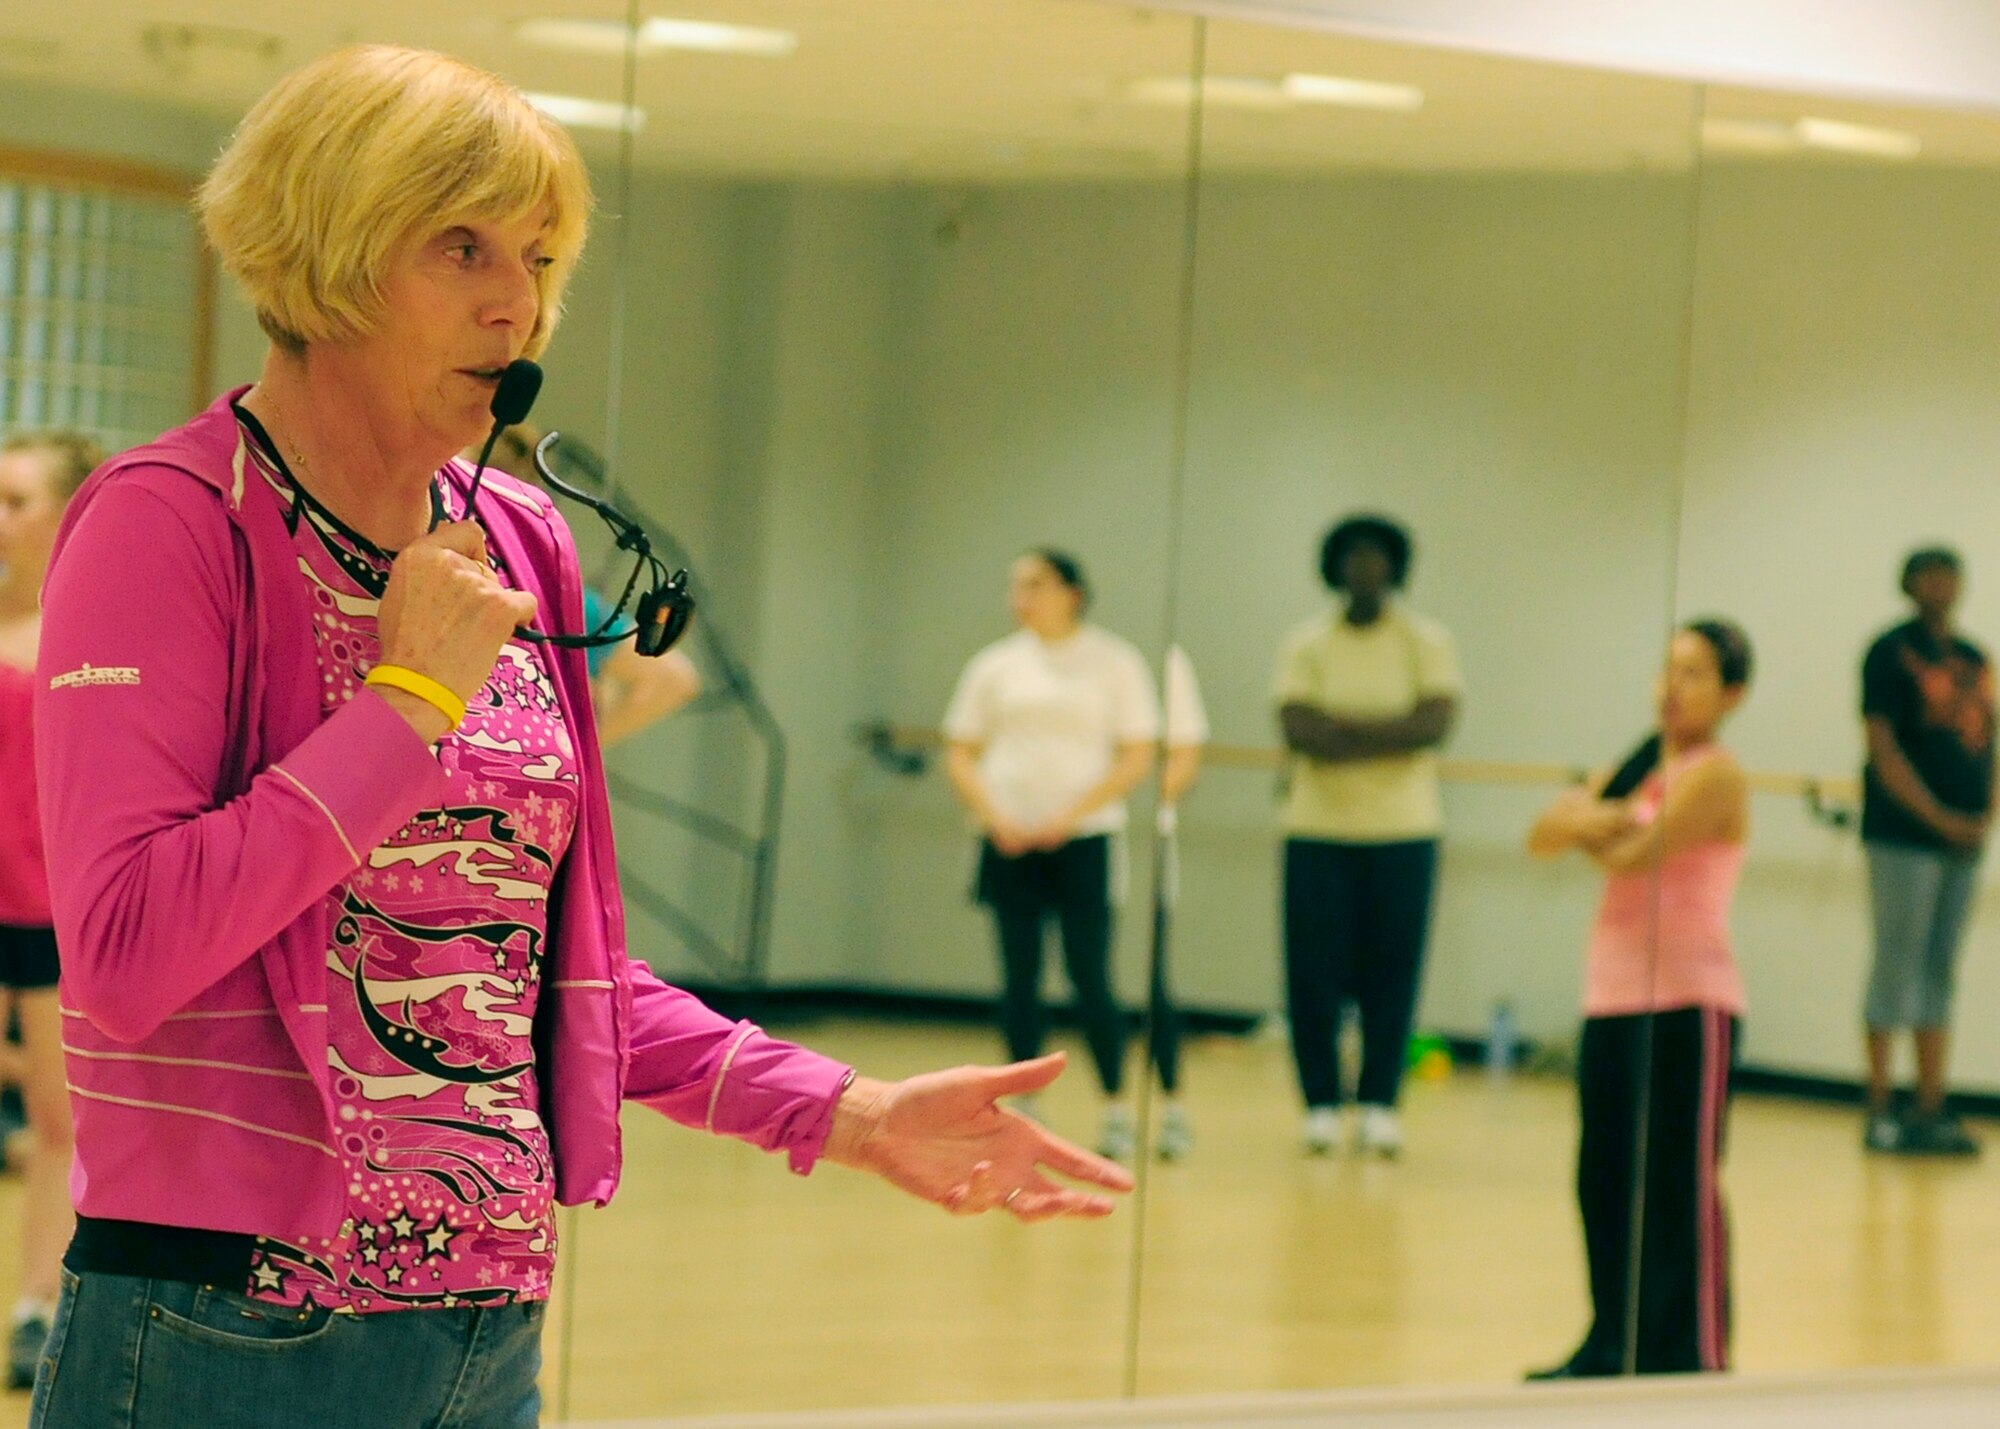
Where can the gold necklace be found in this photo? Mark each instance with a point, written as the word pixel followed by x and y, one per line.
pixel 298 452
pixel 298 456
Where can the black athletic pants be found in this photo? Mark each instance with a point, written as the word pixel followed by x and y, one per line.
pixel 1678 1322
pixel 1072 884
pixel 1357 917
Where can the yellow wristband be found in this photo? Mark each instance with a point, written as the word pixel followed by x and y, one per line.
pixel 397 677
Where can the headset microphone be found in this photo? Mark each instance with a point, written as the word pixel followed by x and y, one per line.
pixel 664 609
pixel 520 384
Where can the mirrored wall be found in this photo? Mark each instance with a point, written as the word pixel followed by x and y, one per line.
pixel 902 323
pixel 900 303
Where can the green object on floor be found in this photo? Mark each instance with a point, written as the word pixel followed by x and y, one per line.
pixel 1430 1056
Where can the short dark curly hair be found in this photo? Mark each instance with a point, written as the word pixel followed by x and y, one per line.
pixel 1929 558
pixel 1389 537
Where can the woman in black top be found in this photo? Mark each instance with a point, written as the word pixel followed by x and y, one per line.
pixel 1927 700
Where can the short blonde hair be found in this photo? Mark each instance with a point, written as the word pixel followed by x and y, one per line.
pixel 365 150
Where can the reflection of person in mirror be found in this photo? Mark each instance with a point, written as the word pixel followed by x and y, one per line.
pixel 348 1010
pixel 1186 734
pixel 632 691
pixel 1927 805
pixel 1366 695
pixel 39 472
pixel 1048 731
pixel 1662 1007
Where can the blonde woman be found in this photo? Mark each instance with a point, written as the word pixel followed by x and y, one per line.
pixel 39 472
pixel 350 1010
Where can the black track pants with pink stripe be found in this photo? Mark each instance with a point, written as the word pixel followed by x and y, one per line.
pixel 1669 1179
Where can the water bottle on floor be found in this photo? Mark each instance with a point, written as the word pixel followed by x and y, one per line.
pixel 1502 1041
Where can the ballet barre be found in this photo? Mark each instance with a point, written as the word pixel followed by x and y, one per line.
pixel 1834 801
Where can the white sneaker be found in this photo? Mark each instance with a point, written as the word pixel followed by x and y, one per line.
pixel 1381 1131
pixel 1117 1135
pixel 1326 1129
pixel 1176 1137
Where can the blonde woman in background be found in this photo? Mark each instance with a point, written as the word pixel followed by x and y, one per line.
pixel 39 472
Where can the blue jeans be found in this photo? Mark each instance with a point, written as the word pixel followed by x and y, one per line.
pixel 127 1353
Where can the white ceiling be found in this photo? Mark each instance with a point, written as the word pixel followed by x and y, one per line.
pixel 950 89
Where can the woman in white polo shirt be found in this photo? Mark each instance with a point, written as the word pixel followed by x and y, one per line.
pixel 1049 730
pixel 1366 695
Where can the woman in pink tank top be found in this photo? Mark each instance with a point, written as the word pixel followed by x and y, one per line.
pixel 38 473
pixel 1663 1003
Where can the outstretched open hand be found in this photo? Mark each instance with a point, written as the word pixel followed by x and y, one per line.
pixel 942 1138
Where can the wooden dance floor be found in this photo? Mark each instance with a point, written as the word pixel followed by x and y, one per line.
pixel 721 1285
pixel 1937 1399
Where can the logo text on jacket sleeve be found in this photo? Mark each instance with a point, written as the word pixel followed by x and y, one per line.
pixel 89 674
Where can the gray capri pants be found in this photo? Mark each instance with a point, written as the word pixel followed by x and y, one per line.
pixel 1922 898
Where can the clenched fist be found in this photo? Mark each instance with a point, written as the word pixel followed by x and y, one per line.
pixel 445 615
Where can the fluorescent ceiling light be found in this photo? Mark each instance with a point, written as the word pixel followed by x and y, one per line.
pixel 1223 91
pixel 1355 93
pixel 1217 91
pixel 1775 136
pixel 580 113
pixel 711 38
pixel 610 37
pixel 1866 139
pixel 1749 136
pixel 604 37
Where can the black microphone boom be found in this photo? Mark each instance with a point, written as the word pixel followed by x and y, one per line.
pixel 513 399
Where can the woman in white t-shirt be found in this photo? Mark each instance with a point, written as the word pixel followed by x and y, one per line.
pixel 1049 730
pixel 1366 694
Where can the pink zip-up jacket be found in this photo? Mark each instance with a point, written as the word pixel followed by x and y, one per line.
pixel 198 808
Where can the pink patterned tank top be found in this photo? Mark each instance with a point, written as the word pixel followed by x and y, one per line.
pixel 1662 938
pixel 433 979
